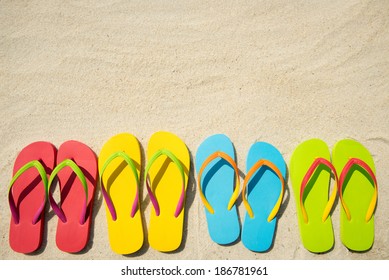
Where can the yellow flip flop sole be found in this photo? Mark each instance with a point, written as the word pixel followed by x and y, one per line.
pixel 119 167
pixel 166 179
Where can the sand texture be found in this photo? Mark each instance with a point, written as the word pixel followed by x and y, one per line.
pixel 275 71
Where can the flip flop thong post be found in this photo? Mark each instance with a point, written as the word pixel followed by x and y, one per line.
pixel 218 184
pixel 77 174
pixel 27 195
pixel 310 173
pixel 120 166
pixel 262 194
pixel 358 193
pixel 166 179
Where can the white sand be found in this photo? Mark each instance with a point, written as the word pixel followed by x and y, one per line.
pixel 254 70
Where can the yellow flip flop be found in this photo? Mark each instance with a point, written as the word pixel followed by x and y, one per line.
pixel 119 167
pixel 166 179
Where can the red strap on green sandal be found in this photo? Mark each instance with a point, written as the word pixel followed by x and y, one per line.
pixel 345 171
pixel 235 194
pixel 252 171
pixel 317 162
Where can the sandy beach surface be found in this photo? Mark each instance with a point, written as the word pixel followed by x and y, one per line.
pixel 276 71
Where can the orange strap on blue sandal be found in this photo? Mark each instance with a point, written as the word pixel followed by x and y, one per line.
pixel 248 177
pixel 219 187
pixel 235 193
pixel 262 194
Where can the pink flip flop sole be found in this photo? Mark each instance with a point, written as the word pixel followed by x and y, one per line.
pixel 28 193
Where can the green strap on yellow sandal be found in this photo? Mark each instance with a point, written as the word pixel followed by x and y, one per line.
pixel 119 166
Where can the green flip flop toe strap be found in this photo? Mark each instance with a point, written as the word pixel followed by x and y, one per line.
pixel 76 169
pixel 42 172
pixel 177 162
pixel 106 196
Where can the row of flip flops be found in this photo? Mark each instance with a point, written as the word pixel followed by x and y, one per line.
pixel 119 166
pixel 311 170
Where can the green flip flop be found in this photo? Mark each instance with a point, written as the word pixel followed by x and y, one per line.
pixel 310 173
pixel 358 194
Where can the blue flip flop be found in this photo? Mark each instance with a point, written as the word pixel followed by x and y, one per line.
pixel 218 184
pixel 262 195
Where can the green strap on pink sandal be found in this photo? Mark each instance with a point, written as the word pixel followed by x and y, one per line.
pixel 54 205
pixel 14 209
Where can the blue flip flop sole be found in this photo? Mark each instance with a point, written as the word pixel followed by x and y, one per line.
pixel 263 192
pixel 217 183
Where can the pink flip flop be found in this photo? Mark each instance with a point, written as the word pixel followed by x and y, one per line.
pixel 77 176
pixel 27 196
